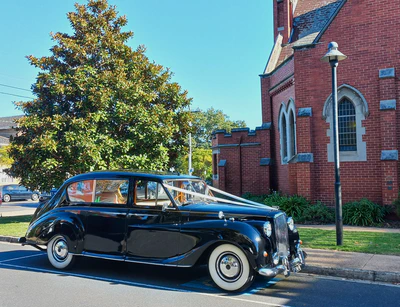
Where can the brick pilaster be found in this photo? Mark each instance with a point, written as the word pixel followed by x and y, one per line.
pixel 388 131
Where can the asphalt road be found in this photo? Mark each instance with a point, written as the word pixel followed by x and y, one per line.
pixel 18 208
pixel 27 279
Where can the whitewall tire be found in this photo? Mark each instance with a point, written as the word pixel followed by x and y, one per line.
pixel 229 268
pixel 58 253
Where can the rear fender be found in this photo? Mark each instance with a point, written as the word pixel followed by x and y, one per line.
pixel 42 230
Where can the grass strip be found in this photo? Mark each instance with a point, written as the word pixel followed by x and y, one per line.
pixel 14 226
pixel 353 241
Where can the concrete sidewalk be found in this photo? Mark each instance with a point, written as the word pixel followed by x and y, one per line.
pixel 382 268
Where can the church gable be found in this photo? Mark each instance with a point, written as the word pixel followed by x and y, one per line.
pixel 308 20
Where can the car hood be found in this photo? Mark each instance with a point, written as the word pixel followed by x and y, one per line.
pixel 231 210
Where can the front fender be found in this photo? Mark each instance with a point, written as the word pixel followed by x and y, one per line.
pixel 41 231
pixel 201 236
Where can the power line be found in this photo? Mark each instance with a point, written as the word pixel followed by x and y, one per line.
pixel 18 88
pixel 16 95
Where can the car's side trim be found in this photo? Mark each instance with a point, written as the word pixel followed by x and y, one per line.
pixel 160 264
pixel 108 257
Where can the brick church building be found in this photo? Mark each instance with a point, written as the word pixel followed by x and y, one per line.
pixel 292 150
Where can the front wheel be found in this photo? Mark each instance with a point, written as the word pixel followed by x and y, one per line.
pixel 35 197
pixel 58 253
pixel 229 268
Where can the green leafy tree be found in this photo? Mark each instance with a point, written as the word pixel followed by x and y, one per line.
pixel 201 163
pixel 5 159
pixel 205 122
pixel 100 105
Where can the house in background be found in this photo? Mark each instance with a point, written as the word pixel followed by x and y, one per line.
pixel 292 150
pixel 7 130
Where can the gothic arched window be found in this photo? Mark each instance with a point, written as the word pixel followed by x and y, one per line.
pixel 287 129
pixel 347 126
pixel 352 111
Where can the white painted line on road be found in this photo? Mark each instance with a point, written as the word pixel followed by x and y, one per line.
pixel 140 284
pixel 19 258
pixel 91 277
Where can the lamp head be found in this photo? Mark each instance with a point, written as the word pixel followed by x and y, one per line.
pixel 333 53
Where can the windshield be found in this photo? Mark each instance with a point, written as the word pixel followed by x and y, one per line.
pixel 189 191
pixel 186 191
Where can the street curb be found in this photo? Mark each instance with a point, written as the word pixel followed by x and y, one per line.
pixel 9 239
pixel 369 275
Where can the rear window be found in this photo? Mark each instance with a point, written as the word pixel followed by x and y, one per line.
pixel 99 191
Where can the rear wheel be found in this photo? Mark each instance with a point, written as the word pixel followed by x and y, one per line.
pixel 58 253
pixel 6 198
pixel 35 196
pixel 229 268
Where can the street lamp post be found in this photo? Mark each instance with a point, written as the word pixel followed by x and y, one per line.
pixel 333 57
pixel 190 152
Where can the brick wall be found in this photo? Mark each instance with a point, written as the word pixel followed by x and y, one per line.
pixel 243 151
pixel 366 32
pixel 363 30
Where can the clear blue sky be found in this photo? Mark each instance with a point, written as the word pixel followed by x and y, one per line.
pixel 215 48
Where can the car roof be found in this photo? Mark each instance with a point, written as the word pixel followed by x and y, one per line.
pixel 147 175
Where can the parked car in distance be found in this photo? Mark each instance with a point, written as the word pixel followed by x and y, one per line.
pixel 165 219
pixel 12 192
pixel 45 195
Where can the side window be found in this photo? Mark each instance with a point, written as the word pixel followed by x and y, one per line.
pixel 150 193
pixel 81 192
pixel 99 191
pixel 111 191
pixel 11 188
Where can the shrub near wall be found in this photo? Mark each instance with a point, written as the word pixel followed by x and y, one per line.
pixel 357 213
pixel 318 213
pixel 363 213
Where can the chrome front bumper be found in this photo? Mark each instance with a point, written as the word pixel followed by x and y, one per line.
pixel 287 266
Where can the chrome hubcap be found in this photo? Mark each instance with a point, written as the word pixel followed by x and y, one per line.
pixel 60 250
pixel 229 267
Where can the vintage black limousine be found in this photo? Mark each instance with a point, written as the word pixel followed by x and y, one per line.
pixel 165 219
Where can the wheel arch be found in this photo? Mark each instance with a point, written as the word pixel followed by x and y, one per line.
pixel 244 236
pixel 41 231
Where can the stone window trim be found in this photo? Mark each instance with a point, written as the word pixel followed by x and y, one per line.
pixel 288 142
pixel 362 112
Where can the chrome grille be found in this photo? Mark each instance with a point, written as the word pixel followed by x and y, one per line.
pixel 281 235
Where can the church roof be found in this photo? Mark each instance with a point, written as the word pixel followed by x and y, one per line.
pixel 311 19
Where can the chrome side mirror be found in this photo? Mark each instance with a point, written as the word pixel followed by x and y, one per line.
pixel 166 207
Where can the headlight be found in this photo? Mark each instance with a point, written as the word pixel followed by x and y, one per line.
pixel 267 229
pixel 290 223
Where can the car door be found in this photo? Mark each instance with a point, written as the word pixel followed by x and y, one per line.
pixel 13 191
pixel 23 192
pixel 105 221
pixel 153 225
